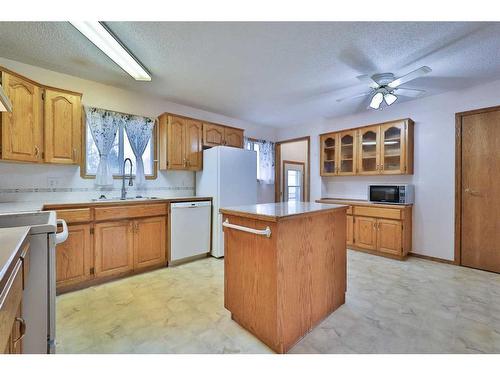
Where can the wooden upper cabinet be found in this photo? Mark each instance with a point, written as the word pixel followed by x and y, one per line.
pixel 347 148
pixel 233 137
pixel 176 143
pixel 194 151
pixel 113 247
pixel 62 125
pixel 150 242
pixel 22 128
pixel 369 146
pixel 213 135
pixel 328 157
pixel 378 149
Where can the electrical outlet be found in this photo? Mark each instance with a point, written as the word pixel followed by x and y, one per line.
pixel 53 182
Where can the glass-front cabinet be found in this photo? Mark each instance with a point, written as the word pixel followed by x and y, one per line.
pixel 369 146
pixel 347 153
pixel 392 148
pixel 329 154
pixel 376 149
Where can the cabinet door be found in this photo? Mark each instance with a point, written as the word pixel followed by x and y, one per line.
pixel 233 137
pixel 114 248
pixel 74 257
pixel 193 145
pixel 368 150
pixel 350 229
pixel 329 147
pixel 213 135
pixel 18 332
pixel 149 242
pixel 365 232
pixel 62 124
pixel 22 128
pixel 392 150
pixel 176 148
pixel 389 236
pixel 347 153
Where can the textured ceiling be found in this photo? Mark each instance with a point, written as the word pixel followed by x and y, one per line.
pixel 277 74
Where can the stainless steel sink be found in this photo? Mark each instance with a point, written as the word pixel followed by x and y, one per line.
pixel 137 198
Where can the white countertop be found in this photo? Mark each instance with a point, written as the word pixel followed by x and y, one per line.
pixel 277 210
pixel 11 240
pixel 26 206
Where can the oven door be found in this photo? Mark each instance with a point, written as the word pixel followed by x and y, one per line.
pixel 384 193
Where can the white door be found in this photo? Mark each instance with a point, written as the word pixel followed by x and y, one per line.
pixel 293 173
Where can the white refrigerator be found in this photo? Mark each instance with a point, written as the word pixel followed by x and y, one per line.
pixel 229 176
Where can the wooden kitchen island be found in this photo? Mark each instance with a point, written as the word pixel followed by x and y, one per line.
pixel 284 268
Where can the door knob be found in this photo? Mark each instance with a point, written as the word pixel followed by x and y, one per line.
pixel 472 192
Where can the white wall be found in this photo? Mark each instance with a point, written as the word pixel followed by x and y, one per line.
pixel 434 116
pixel 27 177
pixel 294 151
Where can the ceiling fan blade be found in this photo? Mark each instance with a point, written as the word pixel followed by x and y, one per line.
pixel 410 76
pixel 413 93
pixel 369 81
pixel 354 96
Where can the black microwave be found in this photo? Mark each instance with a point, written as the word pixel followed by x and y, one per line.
pixel 392 194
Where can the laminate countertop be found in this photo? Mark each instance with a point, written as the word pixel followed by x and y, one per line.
pixel 275 211
pixel 26 206
pixel 11 242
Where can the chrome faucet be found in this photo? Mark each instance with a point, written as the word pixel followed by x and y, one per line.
pixel 130 181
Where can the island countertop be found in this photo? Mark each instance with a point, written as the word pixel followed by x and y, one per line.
pixel 275 211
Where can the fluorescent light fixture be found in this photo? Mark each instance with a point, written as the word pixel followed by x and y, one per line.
pixel 390 98
pixel 102 37
pixel 376 100
pixel 5 104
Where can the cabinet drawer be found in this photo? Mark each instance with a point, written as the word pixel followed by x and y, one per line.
pixel 10 298
pixel 385 213
pixel 129 211
pixel 75 215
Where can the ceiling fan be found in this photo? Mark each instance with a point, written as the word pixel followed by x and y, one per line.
pixel 385 87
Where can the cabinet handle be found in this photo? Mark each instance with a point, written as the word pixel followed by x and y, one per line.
pixel 22 330
pixel 37 151
pixel 74 154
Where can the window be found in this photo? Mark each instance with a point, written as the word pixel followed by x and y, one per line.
pixel 294 187
pixel 120 151
pixel 293 174
pixel 253 145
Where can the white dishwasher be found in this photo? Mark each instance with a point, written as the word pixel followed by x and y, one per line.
pixel 190 227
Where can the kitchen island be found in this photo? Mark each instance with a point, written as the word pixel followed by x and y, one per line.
pixel 284 268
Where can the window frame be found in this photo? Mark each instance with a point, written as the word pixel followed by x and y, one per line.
pixel 154 150
pixel 253 142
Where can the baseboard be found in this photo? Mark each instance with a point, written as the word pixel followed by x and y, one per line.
pixel 434 259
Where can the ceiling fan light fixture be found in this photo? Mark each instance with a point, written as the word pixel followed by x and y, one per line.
pixel 376 100
pixel 390 98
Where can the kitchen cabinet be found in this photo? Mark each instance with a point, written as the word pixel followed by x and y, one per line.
pixel 149 242
pixel 233 137
pixel 194 155
pixel 219 135
pixel 213 135
pixel 22 128
pixel 114 247
pixel 62 126
pixel 379 229
pixel 370 150
pixel 180 141
pixel 365 232
pixel 74 256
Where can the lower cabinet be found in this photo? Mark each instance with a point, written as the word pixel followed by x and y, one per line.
pixel 350 229
pixel 74 256
pixel 389 236
pixel 113 247
pixel 109 241
pixel 365 232
pixel 149 242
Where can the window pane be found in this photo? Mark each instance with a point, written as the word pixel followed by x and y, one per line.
pixel 293 178
pixel 294 193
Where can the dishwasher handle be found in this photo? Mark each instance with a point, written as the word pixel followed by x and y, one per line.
pixel 261 232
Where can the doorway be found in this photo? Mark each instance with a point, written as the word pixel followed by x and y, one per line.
pixel 292 151
pixel 293 181
pixel 477 189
